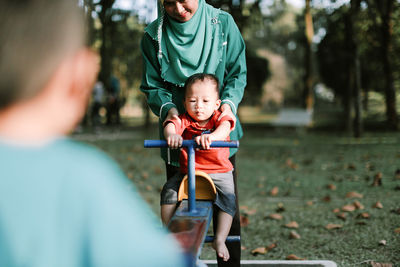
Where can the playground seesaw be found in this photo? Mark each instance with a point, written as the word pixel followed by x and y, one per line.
pixel 196 195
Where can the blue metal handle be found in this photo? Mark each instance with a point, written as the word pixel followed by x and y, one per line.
pixel 191 145
pixel 188 143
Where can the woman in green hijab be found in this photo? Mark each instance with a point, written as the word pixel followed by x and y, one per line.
pixel 188 37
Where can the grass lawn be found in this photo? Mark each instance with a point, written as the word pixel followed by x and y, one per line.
pixel 316 179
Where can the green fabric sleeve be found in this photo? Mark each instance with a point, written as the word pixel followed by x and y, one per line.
pixel 159 98
pixel 236 70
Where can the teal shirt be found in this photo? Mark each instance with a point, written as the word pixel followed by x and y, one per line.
pixel 231 71
pixel 67 204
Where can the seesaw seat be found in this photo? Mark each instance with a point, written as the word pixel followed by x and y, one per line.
pixel 205 188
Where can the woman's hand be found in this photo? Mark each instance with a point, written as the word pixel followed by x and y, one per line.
pixel 227 111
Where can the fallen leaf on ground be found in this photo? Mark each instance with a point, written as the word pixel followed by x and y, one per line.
pixel 292 224
pixel 149 187
pixel 310 203
pixel 275 216
pixel 291 164
pixel 336 210
pixel 244 221
pixel 326 198
pixel 364 215
pixel 294 235
pixel 274 191
pixel 294 257
pixel 378 264
pixel 348 208
pixel 259 250
pixel 377 179
pixel 342 215
pixel 354 194
pixel 397 230
pixel 331 226
pixel 145 175
pixel 358 205
pixel 158 170
pixel 378 205
pixel 243 248
pixel 382 242
pixel 331 187
pixel 271 246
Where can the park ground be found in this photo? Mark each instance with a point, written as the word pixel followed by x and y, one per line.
pixel 312 192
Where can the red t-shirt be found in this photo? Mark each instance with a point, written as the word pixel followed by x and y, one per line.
pixel 213 160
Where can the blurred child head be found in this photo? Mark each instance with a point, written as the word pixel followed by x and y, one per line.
pixel 45 70
pixel 202 96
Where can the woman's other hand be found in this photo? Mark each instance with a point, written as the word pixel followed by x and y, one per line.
pixel 227 111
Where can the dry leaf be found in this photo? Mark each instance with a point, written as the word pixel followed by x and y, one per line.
pixel 243 248
pixel 294 257
pixel 342 215
pixel 331 187
pixel 331 226
pixel 378 205
pixel 274 191
pixel 397 230
pixel 326 199
pixel 271 246
pixel 145 175
pixel 358 205
pixel 251 212
pixel 149 187
pixel 294 235
pixel 354 194
pixel 377 179
pixel 378 264
pixel 244 221
pixel 291 164
pixel 292 224
pixel 336 210
pixel 259 250
pixel 348 208
pixel 309 203
pixel 275 216
pixel 364 215
pixel 158 170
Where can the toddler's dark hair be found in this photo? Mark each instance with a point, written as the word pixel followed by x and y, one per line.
pixel 202 77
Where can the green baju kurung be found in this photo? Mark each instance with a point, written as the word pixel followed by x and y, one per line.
pixel 209 43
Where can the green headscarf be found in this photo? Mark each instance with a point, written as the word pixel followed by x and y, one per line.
pixel 189 47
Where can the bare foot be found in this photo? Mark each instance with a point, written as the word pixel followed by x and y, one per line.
pixel 221 249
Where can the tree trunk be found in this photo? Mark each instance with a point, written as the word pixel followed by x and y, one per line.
pixel 386 10
pixel 355 7
pixel 308 75
pixel 105 53
pixel 89 8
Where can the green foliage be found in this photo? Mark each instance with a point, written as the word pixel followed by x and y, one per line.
pixel 333 57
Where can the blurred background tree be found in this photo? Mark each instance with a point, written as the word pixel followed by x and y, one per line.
pixel 345 47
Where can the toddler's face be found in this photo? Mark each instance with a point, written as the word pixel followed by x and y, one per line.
pixel 201 100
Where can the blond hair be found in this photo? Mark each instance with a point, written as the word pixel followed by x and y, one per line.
pixel 35 35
